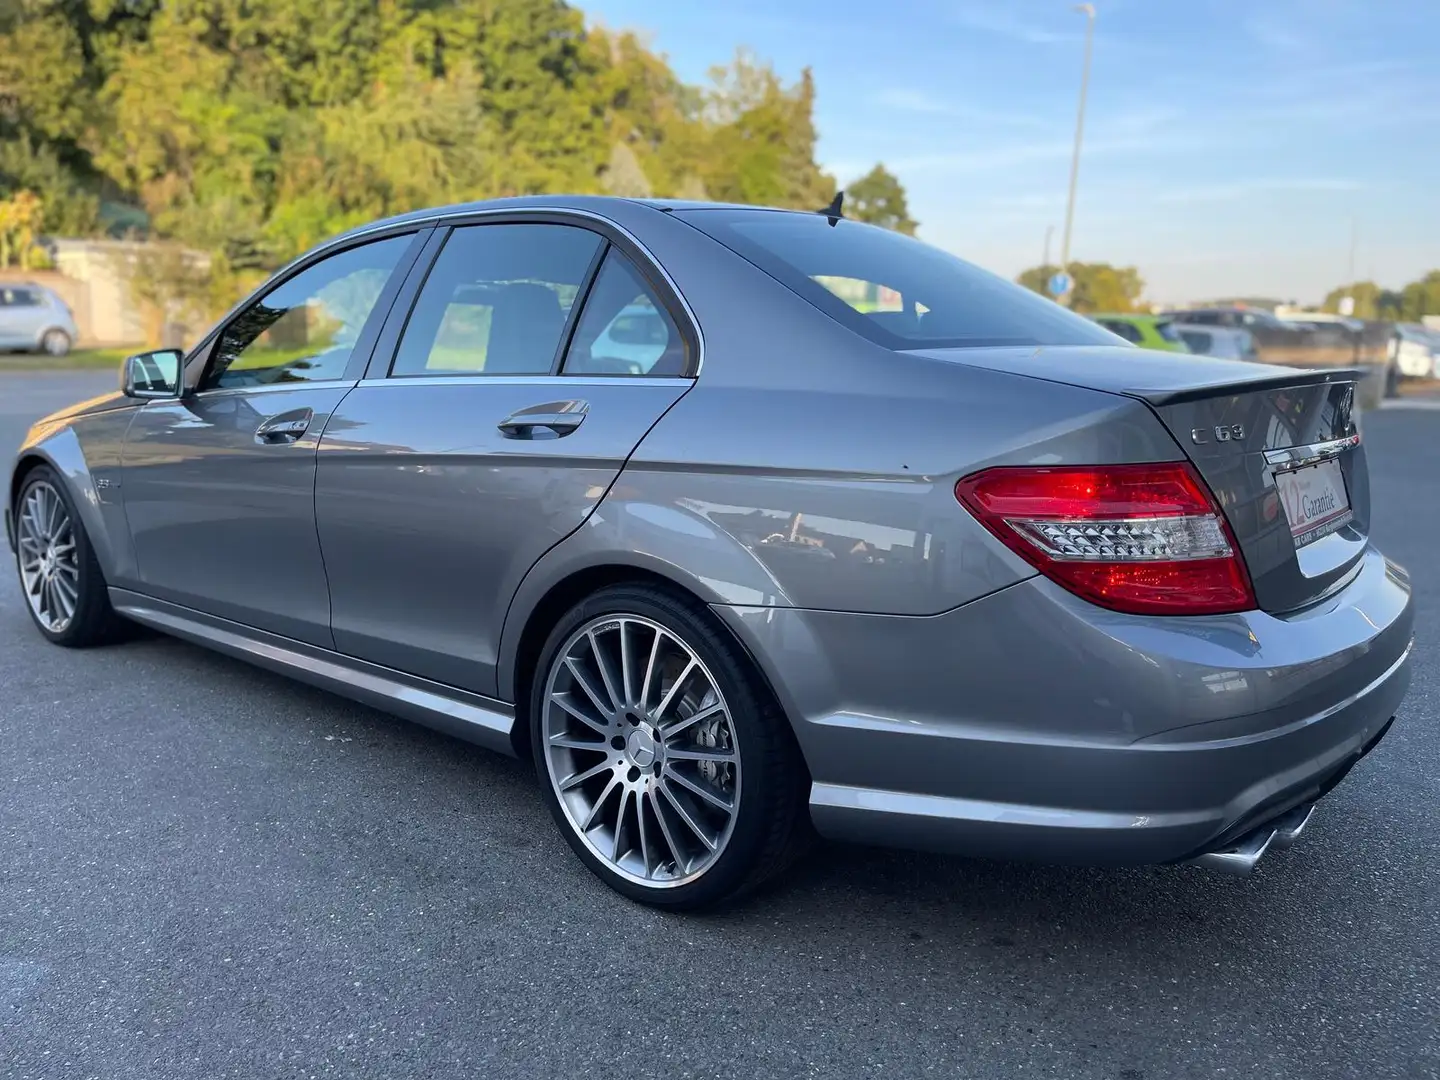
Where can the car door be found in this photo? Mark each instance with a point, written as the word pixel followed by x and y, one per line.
pixel 501 423
pixel 20 317
pixel 219 485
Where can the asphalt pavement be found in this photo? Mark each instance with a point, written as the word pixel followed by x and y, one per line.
pixel 208 872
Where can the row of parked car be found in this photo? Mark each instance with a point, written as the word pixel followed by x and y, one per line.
pixel 1169 334
pixel 1409 350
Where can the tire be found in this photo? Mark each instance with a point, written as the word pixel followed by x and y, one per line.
pixel 91 620
pixel 1392 381
pixel 55 343
pixel 719 710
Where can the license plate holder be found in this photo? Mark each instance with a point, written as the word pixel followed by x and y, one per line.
pixel 1315 500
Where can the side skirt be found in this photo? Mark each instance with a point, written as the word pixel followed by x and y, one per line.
pixel 467 716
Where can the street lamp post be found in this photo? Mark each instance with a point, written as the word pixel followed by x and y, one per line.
pixel 1088 10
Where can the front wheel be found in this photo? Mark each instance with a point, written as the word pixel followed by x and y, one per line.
pixel 661 754
pixel 59 574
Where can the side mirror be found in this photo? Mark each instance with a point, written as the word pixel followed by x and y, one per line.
pixel 151 374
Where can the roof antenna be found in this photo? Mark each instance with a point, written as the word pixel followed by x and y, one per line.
pixel 836 210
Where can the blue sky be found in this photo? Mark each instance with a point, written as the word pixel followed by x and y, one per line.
pixel 1228 147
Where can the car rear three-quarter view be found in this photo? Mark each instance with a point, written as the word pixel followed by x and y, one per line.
pixel 739 521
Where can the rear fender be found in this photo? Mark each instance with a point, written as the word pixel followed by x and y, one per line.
pixel 652 539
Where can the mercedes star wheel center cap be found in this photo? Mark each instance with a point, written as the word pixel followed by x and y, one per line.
pixel 640 748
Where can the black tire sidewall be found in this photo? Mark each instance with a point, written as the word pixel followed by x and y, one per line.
pixel 48 335
pixel 92 606
pixel 756 725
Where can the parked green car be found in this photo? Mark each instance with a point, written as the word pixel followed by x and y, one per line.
pixel 1147 331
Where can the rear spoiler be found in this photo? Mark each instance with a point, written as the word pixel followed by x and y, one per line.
pixel 1277 379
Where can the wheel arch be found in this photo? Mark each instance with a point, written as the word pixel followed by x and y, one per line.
pixel 526 632
pixel 62 454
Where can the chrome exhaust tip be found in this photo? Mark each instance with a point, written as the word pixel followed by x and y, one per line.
pixel 1239 859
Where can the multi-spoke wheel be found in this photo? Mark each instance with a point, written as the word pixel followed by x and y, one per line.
pixel 49 567
pixel 59 576
pixel 669 769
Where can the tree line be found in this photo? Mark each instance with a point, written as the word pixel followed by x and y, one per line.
pixel 1101 287
pixel 1409 303
pixel 251 129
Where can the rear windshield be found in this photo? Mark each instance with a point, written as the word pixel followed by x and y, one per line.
pixel 894 290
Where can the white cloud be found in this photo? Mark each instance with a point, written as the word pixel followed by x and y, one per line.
pixel 992 19
pixel 903 99
pixel 1279 36
pixel 1241 189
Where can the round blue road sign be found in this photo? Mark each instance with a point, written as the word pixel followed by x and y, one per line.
pixel 1060 283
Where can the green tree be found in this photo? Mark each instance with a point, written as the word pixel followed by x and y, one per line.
pixel 1098 286
pixel 247 130
pixel 762 144
pixel 1421 298
pixel 1368 299
pixel 879 199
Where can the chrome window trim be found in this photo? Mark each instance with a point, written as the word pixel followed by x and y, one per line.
pixel 1296 457
pixel 547 379
pixel 451 217
pixel 266 388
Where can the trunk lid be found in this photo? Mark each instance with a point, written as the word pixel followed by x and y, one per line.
pixel 1243 426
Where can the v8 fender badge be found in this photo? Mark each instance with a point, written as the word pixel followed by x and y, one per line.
pixel 1221 433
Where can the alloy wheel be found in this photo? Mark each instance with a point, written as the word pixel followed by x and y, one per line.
pixel 49 559
pixel 641 750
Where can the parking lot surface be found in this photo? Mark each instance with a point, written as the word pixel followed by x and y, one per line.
pixel 207 871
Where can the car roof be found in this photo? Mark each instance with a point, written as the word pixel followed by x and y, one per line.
pixel 1127 316
pixel 592 203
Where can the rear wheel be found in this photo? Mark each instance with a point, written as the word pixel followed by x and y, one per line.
pixel 662 756
pixel 55 342
pixel 59 575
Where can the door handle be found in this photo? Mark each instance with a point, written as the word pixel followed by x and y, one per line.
pixel 285 428
pixel 558 418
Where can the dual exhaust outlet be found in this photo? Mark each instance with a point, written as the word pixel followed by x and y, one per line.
pixel 1280 833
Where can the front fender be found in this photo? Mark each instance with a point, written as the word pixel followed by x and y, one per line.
pixel 86 454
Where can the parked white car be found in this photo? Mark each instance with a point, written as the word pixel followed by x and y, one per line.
pixel 34 319
pixel 1416 351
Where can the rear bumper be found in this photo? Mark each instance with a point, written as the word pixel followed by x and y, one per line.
pixel 1032 725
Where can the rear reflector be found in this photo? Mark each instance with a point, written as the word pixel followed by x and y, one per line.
pixel 1144 539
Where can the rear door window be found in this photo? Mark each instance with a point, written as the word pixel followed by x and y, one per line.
pixel 625 329
pixel 497 301
pixel 895 290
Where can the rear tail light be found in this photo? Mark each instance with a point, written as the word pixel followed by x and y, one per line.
pixel 1144 539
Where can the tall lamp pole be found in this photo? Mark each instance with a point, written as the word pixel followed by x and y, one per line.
pixel 1088 10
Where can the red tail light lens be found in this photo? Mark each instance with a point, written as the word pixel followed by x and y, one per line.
pixel 1144 539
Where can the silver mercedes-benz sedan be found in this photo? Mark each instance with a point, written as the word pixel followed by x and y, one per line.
pixel 746 524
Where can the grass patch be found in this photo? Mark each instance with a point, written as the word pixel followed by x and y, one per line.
pixel 79 360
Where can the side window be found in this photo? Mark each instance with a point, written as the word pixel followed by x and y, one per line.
pixel 1118 326
pixel 624 328
pixel 304 330
pixel 497 301
pixel 1197 341
pixel 18 298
